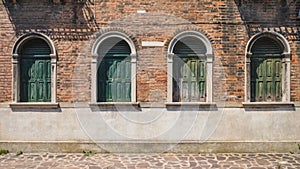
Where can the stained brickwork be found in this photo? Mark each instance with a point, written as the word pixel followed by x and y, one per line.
pixel 72 26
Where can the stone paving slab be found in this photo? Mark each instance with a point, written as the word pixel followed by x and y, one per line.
pixel 156 161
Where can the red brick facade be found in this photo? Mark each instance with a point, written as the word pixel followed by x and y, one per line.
pixel 72 26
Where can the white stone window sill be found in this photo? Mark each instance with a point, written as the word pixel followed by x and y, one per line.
pixel 34 105
pixel 191 104
pixel 268 105
pixel 115 106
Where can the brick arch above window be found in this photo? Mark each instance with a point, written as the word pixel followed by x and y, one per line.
pixel 277 37
pixel 192 34
pixel 35 35
pixel 113 34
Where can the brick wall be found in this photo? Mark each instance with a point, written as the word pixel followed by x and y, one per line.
pixel 71 25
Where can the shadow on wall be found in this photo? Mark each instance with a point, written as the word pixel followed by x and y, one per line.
pixel 70 20
pixel 280 16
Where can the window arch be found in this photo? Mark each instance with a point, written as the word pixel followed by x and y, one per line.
pixel 34 69
pixel 113 68
pixel 267 68
pixel 190 58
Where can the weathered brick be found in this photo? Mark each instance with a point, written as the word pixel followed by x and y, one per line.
pixel 71 25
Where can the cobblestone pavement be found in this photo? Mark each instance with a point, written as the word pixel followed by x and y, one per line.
pixel 112 161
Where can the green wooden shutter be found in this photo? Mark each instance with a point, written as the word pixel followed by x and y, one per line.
pixel 35 72
pixel 189 79
pixel 266 76
pixel 189 72
pixel 114 74
pixel 266 79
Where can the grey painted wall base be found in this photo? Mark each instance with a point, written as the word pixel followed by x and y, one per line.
pixel 187 147
pixel 151 129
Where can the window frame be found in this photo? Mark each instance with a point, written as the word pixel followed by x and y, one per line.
pixel 209 66
pixel 286 58
pixel 96 59
pixel 16 60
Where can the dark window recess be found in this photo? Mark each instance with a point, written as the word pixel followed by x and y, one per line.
pixel 114 72
pixel 35 72
pixel 189 71
pixel 266 71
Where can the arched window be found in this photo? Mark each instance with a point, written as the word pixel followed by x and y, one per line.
pixel 114 69
pixel 190 68
pixel 268 68
pixel 34 69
